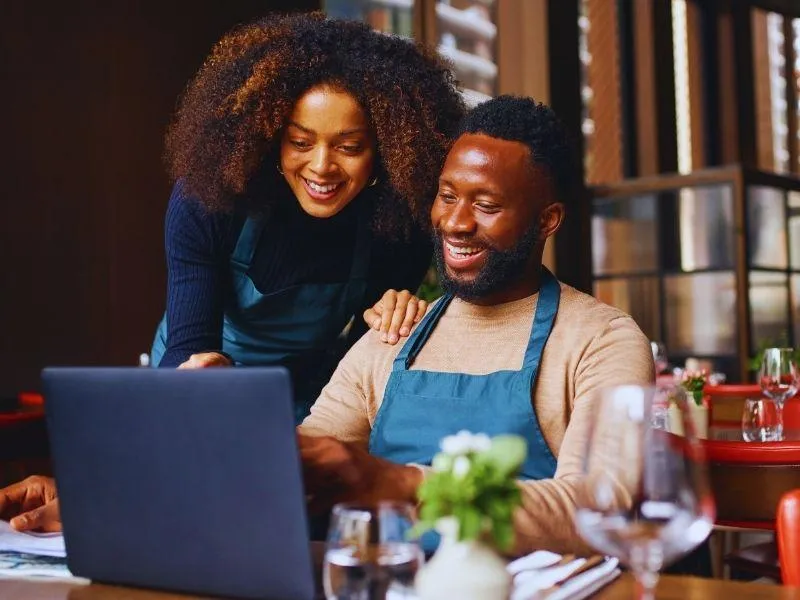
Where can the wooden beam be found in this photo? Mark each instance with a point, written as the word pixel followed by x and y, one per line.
pixel 697 81
pixel 728 103
pixel 645 88
pixel 605 144
pixel 522 49
pixel 762 92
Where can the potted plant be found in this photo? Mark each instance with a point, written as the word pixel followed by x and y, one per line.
pixel 692 382
pixel 469 499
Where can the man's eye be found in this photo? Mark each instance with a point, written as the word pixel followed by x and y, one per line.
pixel 300 144
pixel 351 149
pixel 489 208
pixel 447 197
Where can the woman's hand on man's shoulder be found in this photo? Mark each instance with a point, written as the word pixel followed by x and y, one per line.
pixel 395 314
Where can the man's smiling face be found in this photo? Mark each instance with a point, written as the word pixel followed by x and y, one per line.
pixel 486 218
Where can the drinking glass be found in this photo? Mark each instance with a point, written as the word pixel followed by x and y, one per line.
pixel 778 379
pixel 369 552
pixel 760 420
pixel 645 498
pixel 659 356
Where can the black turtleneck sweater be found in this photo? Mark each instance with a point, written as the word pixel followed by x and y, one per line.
pixel 294 248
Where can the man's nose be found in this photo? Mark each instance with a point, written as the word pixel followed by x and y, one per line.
pixel 460 218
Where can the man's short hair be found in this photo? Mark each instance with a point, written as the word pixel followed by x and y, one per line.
pixel 519 119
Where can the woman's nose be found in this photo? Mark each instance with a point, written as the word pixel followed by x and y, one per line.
pixel 321 161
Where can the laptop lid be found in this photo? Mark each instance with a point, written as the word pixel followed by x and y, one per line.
pixel 187 480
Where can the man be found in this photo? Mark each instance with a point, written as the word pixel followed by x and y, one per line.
pixel 508 349
pixel 475 360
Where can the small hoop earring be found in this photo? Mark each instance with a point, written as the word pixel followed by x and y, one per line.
pixel 278 166
pixel 373 182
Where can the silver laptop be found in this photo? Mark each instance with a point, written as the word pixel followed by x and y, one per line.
pixel 181 480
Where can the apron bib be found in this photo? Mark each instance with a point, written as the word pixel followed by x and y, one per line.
pixel 296 327
pixel 421 407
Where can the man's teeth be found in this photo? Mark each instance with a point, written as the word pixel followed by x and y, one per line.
pixel 460 251
pixel 322 189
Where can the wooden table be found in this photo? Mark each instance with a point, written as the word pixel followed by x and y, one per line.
pixel 669 588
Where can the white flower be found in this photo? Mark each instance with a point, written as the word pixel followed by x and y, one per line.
pixel 457 444
pixel 464 442
pixel 461 467
pixel 481 442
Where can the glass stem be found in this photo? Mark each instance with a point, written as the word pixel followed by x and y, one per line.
pixel 779 417
pixel 646 560
pixel 646 584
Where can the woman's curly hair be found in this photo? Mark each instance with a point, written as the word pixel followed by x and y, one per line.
pixel 228 125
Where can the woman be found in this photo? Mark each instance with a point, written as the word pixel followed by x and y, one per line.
pixel 306 154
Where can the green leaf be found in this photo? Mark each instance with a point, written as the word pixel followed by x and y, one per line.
pixel 469 522
pixel 507 453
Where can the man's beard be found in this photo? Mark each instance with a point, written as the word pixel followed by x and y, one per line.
pixel 501 268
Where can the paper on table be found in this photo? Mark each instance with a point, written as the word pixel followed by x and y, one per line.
pixel 40 544
pixel 18 565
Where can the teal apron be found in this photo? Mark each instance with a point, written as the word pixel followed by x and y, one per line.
pixel 297 327
pixel 421 407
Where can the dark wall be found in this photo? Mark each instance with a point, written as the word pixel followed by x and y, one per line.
pixel 86 91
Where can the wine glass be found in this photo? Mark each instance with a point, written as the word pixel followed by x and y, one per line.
pixel 645 497
pixel 778 379
pixel 370 552
pixel 659 356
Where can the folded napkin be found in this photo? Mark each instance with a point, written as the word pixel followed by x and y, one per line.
pixel 547 575
pixel 40 544
pixel 544 575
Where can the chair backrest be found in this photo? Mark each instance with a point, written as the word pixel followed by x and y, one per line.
pixel 788 530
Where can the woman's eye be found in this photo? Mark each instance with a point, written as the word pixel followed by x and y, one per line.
pixel 489 208
pixel 447 197
pixel 351 149
pixel 300 144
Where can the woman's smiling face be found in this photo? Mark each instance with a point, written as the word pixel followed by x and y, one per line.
pixel 327 150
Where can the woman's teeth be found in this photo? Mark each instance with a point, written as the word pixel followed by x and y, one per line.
pixel 322 189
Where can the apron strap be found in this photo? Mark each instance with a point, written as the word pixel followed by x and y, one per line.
pixel 546 309
pixel 420 335
pixel 248 241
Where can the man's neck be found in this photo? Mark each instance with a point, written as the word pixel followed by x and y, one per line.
pixel 525 285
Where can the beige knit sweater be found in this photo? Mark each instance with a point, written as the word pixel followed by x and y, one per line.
pixel 592 346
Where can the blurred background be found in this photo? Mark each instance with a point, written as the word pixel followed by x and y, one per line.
pixel 685 114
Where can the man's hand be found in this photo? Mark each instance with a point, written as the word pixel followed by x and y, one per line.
pixel 31 504
pixel 205 360
pixel 336 471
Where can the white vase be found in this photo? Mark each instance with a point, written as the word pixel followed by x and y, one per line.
pixel 698 414
pixel 469 570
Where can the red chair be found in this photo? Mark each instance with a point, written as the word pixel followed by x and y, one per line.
pixel 788 534
pixel 726 404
